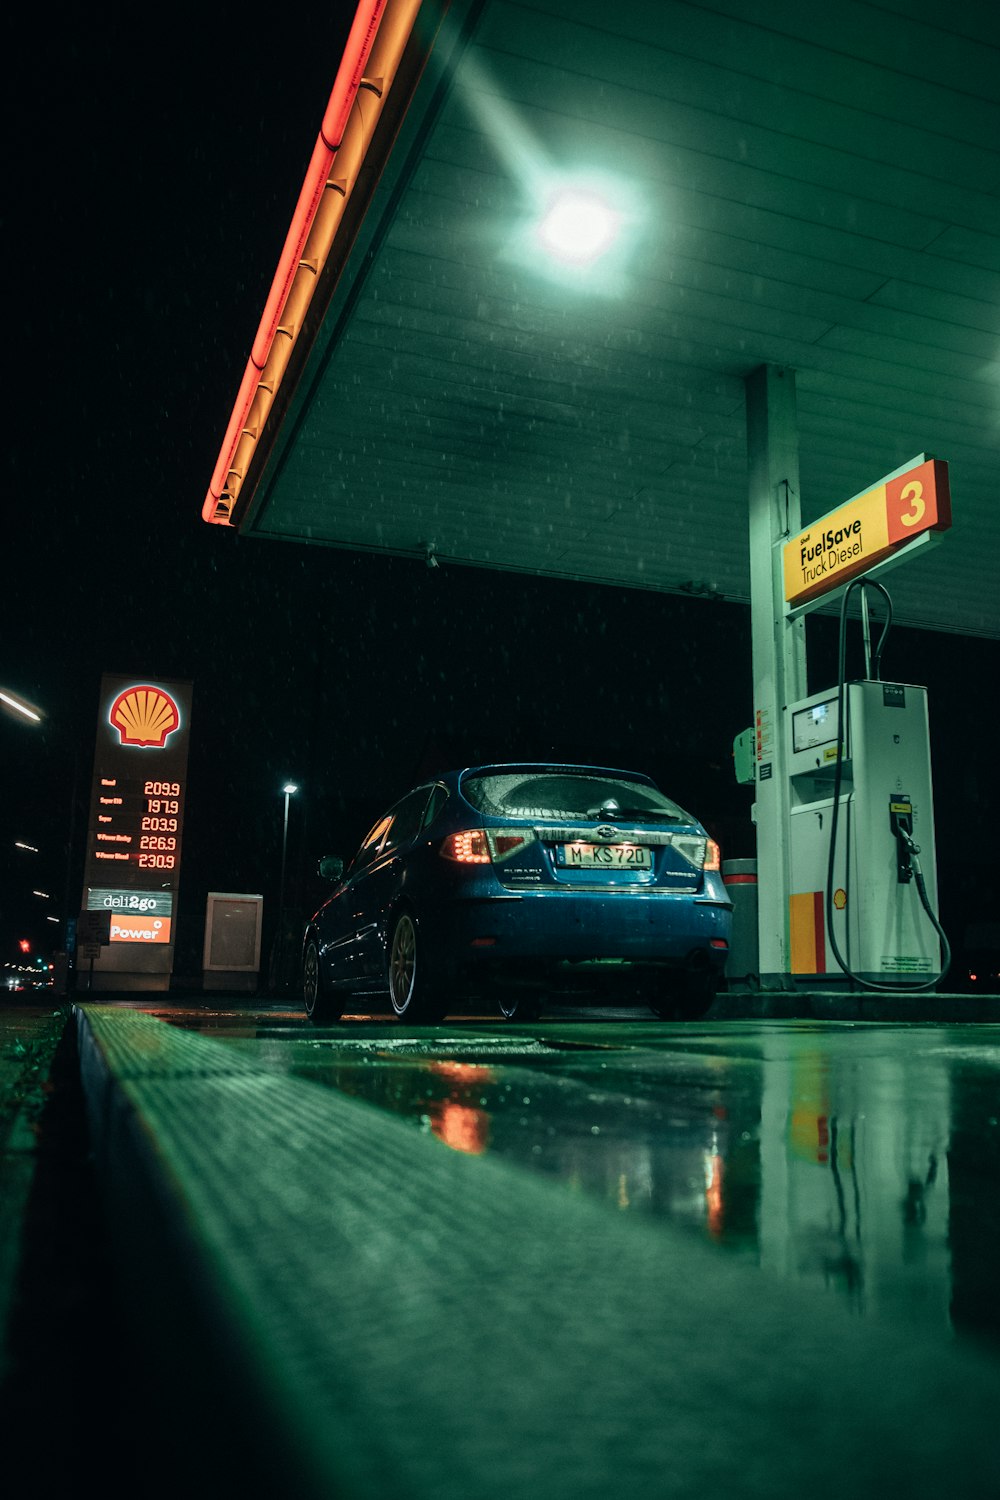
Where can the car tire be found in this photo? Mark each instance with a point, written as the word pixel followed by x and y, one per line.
pixel 688 998
pixel 412 991
pixel 321 1009
pixel 520 1007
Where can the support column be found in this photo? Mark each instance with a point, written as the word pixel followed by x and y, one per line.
pixel 778 646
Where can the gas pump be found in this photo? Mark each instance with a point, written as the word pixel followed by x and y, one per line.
pixel 862 866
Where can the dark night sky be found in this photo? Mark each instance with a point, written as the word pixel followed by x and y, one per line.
pixel 152 188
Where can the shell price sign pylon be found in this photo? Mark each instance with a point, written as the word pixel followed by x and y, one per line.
pixel 135 826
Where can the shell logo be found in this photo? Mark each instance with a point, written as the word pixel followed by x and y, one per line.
pixel 144 716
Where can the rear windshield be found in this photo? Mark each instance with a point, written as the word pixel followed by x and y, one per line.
pixel 568 794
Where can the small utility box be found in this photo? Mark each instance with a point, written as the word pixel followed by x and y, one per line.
pixel 232 941
pixel 743 965
pixel 93 929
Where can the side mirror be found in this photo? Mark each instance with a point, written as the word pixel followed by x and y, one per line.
pixel 330 868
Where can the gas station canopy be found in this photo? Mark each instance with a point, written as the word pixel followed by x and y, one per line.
pixel 542 246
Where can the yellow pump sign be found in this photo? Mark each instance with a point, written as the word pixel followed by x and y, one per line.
pixel 866 531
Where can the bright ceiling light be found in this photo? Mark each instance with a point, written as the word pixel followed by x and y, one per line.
pixel 578 226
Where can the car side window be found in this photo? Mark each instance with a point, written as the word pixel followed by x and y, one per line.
pixel 407 818
pixel 438 798
pixel 369 847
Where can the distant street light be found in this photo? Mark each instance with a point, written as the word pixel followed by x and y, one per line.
pixel 20 706
pixel 12 703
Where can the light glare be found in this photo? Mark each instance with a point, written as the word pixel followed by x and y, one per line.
pixel 19 706
pixel 579 227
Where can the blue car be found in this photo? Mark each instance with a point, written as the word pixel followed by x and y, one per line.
pixel 511 883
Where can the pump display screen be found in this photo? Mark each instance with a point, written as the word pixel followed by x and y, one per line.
pixel 816 725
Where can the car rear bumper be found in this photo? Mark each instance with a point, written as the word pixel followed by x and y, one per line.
pixel 550 928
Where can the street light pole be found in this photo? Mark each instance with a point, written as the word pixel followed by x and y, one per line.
pixel 289 789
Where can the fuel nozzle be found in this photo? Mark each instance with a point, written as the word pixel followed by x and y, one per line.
pixel 913 850
pixel 901 823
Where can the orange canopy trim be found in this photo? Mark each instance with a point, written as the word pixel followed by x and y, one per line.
pixel 343 139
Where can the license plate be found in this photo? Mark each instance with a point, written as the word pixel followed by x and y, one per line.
pixel 605 856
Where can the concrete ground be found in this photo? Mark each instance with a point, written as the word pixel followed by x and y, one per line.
pixel 204 1258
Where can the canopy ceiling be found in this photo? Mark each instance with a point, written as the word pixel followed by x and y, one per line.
pixel 815 187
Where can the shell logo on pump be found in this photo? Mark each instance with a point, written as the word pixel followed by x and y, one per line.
pixel 144 716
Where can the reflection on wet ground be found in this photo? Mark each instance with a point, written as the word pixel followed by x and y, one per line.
pixel 861 1158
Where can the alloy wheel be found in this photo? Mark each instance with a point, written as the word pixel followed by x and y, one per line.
pixel 403 964
pixel 310 978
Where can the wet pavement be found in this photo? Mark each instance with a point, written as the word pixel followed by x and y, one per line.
pixel 859 1159
pixel 864 1160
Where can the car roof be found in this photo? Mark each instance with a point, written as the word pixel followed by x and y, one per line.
pixel 508 768
pixel 515 767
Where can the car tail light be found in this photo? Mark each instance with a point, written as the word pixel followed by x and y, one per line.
pixel 505 842
pixel 467 848
pixel 704 854
pixel 692 847
pixel 479 846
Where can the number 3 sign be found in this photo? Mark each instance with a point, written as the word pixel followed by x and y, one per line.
pixel 918 501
